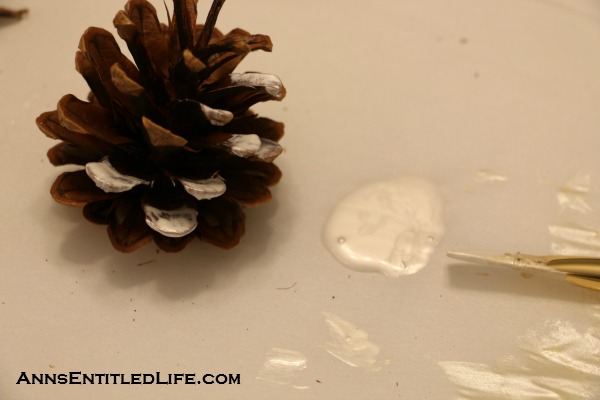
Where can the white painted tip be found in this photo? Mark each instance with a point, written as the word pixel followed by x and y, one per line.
pixel 269 150
pixel 244 145
pixel 271 83
pixel 171 223
pixel 204 189
pixel 107 178
pixel 215 116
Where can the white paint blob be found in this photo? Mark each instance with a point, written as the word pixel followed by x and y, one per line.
pixel 282 366
pixel 350 344
pixel 556 361
pixel 391 226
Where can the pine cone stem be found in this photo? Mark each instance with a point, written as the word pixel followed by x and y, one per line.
pixel 185 31
pixel 210 23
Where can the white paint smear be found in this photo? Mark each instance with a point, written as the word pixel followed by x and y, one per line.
pixel 574 239
pixel 486 175
pixel 556 361
pixel 282 366
pixel 391 226
pixel 350 344
pixel 573 195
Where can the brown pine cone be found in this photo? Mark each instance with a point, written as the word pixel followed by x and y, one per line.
pixel 170 148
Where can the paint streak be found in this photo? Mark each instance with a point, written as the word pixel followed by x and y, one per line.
pixel 282 367
pixel 556 361
pixel 486 175
pixel 351 344
pixel 574 239
pixel 572 196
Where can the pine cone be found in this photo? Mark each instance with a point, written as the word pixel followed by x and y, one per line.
pixel 170 147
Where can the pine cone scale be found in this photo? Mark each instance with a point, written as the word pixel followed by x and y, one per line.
pixel 77 189
pixel 177 223
pixel 77 148
pixel 139 26
pixel 88 71
pixel 99 212
pixel 264 127
pixel 171 245
pixel 185 19
pixel 86 118
pixel 101 48
pixel 127 227
pixel 102 51
pixel 220 222
pixel 160 136
pixel 66 153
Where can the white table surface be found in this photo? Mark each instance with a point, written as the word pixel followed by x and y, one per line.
pixel 441 89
